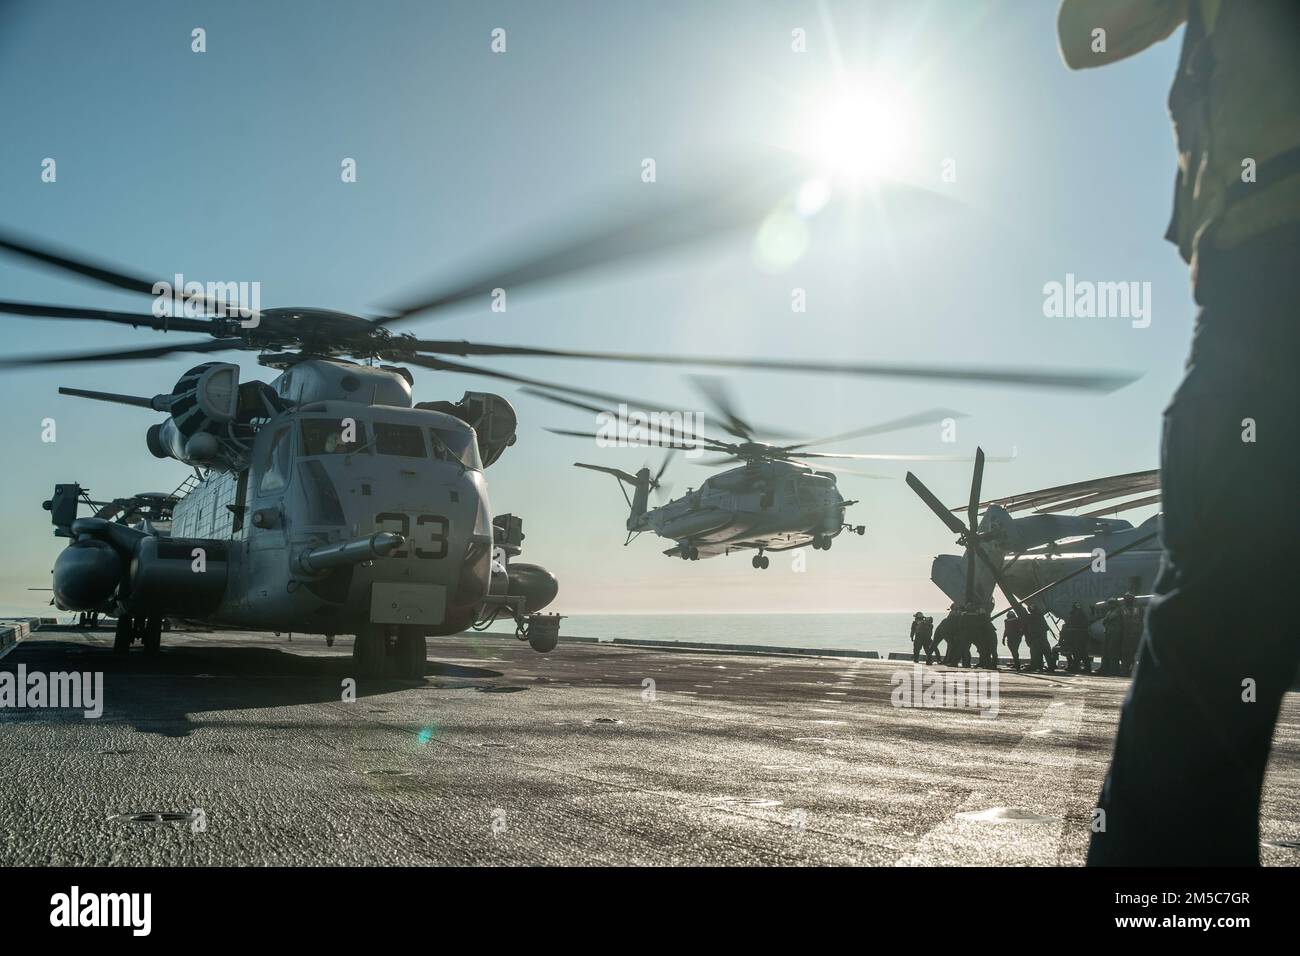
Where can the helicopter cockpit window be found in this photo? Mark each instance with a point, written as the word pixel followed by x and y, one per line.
pixel 275 468
pixel 405 441
pixel 460 445
pixel 327 436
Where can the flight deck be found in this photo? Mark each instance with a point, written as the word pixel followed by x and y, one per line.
pixel 241 748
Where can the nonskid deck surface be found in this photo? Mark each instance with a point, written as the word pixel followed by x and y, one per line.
pixel 594 754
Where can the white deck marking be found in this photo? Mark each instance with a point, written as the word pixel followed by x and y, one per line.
pixel 1028 782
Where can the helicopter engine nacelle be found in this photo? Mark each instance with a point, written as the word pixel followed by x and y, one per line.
pixel 87 574
pixel 492 417
pixel 203 426
pixel 177 576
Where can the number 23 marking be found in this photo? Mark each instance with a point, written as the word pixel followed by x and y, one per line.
pixel 437 534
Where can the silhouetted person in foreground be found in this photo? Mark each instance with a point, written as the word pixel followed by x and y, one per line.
pixel 1216 657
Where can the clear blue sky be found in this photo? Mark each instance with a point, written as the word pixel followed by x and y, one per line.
pixel 225 165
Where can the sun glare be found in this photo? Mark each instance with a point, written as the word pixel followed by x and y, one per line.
pixel 862 132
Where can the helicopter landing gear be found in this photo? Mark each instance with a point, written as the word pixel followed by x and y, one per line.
pixel 761 561
pixel 123 634
pixel 690 552
pixel 137 627
pixel 150 633
pixel 398 651
pixel 822 542
pixel 369 649
pixel 409 653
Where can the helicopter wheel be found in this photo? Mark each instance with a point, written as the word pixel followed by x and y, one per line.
pixel 826 542
pixel 368 651
pixel 764 562
pixel 123 634
pixel 151 634
pixel 410 654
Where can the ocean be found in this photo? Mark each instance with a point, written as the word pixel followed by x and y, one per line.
pixel 883 632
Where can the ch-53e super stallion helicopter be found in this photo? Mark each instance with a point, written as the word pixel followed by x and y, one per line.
pixel 330 501
pixel 1049 559
pixel 773 502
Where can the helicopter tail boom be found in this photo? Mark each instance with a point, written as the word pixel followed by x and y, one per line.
pixel 640 483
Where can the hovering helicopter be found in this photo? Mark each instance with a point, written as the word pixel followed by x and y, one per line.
pixel 774 501
pixel 1049 559
pixel 329 501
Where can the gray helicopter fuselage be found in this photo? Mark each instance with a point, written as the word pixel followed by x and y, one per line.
pixel 306 490
pixel 1030 560
pixel 767 505
pixel 333 509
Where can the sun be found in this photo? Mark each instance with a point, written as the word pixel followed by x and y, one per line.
pixel 861 132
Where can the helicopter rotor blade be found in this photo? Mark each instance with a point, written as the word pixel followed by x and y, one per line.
pixel 930 416
pixel 139 401
pixel 877 456
pixel 666 429
pixel 934 504
pixel 713 208
pixel 1079 380
pixel 668 456
pixel 441 365
pixel 218 345
pixel 972 523
pixel 133 319
pixel 49 257
pixel 997 579
pixel 977 479
pixel 62 260
pixel 648 440
pixel 718 394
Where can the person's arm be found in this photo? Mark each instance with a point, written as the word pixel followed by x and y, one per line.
pixel 1130 27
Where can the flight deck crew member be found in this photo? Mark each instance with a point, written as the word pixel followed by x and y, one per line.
pixel 942 633
pixel 967 636
pixel 1190 753
pixel 987 639
pixel 921 638
pixel 950 630
pixel 1113 642
pixel 1132 619
pixel 1040 652
pixel 1074 638
pixel 1013 630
